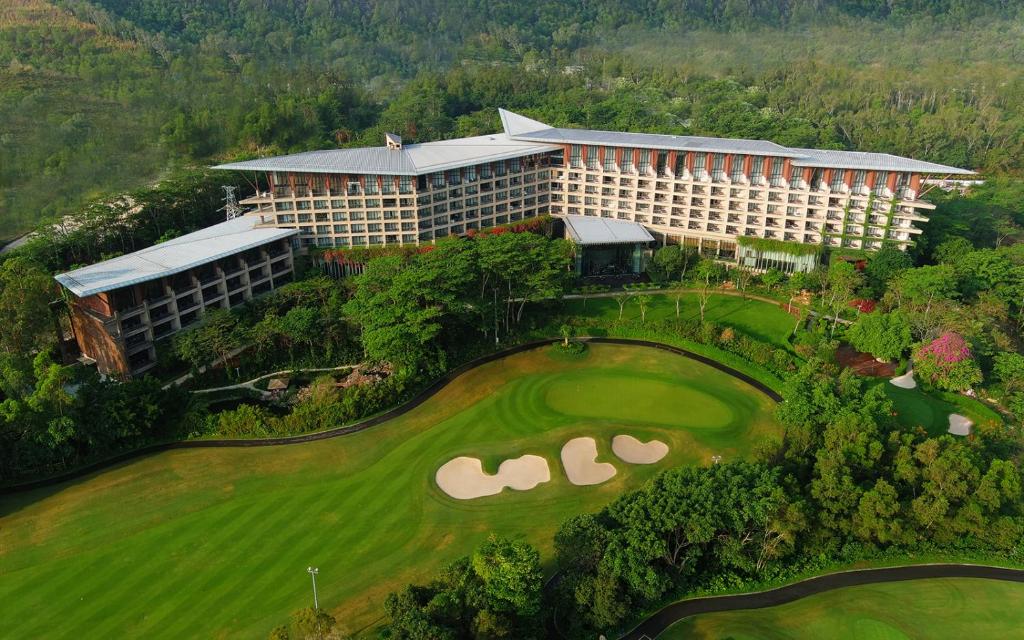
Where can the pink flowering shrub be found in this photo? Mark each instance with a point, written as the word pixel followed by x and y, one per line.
pixel 947 363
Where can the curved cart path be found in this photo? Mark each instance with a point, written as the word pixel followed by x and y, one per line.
pixel 650 628
pixel 417 400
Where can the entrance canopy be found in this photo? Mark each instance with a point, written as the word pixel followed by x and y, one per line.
pixel 590 230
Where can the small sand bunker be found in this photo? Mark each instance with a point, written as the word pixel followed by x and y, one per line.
pixel 579 459
pixel 959 425
pixel 631 450
pixel 906 381
pixel 463 478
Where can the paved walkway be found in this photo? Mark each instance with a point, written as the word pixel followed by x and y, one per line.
pixel 251 384
pixel 655 625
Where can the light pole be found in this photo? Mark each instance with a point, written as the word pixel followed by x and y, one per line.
pixel 312 572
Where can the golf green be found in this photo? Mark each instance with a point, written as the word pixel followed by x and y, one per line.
pixel 216 542
pixel 929 609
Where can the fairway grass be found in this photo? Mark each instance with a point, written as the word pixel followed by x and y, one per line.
pixel 214 543
pixel 931 609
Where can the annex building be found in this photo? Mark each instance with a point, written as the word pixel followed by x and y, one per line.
pixel 120 307
pixel 748 201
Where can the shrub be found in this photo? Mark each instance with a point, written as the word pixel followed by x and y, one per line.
pixel 947 363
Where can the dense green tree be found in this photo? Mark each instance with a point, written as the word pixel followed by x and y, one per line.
pixel 883 335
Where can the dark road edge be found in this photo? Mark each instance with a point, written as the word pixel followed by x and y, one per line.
pixel 401 409
pixel 656 624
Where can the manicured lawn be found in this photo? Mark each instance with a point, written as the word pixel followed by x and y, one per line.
pixel 214 543
pixel 761 320
pixel 931 411
pixel 926 609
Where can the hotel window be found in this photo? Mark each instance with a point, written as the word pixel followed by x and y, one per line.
pixel 353 188
pixel 775 179
pixel 718 167
pixel 437 179
pixel 341 228
pixel 285 219
pixel 698 166
pixel 662 162
pixel 374 227
pixel 485 171
pixel 609 159
pixel 796 176
pixel 860 178
pixel 737 168
pixel 627 160
pixel 454 177
pixel 339 215
pixel 283 206
pixel 358 228
pixel 757 170
pixel 305 217
pixel 471 174
pixel 499 168
pixel 515 164
pixel 323 229
pixel 645 161
pixel 357 215
pixel 302 205
pixel 373 215
pixel 372 202
pixel 680 168
pixel 836 185
pixel 574 157
pixel 371 186
pixel 388 184
pixel 319 204
pixel 881 182
pixel 592 159
pixel 337 204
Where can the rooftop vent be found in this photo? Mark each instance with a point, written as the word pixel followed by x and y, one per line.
pixel 393 140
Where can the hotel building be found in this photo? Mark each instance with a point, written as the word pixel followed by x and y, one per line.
pixel 709 193
pixel 748 201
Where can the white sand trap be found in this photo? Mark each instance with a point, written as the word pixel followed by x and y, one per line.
pixel 631 450
pixel 959 425
pixel 579 458
pixel 463 478
pixel 906 381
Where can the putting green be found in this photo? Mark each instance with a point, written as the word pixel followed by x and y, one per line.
pixel 917 609
pixel 215 542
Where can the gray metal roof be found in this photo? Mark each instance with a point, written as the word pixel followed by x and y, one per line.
pixel 411 159
pixel 173 256
pixel 588 230
pixel 869 161
pixel 522 128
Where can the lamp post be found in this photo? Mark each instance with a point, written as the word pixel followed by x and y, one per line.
pixel 312 573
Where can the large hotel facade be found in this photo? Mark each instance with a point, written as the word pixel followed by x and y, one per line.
pixel 749 201
pixel 704 192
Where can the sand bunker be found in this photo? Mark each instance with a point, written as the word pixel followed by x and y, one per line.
pixel 579 458
pixel 463 478
pixel 906 381
pixel 959 425
pixel 631 450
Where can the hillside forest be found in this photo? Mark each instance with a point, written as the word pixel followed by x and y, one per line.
pixel 101 97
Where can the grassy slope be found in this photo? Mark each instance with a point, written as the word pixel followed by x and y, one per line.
pixel 214 543
pixel 940 608
pixel 761 320
pixel 917 408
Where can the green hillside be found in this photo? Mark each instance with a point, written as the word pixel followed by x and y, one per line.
pixel 109 95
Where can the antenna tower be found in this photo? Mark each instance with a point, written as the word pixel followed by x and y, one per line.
pixel 231 206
